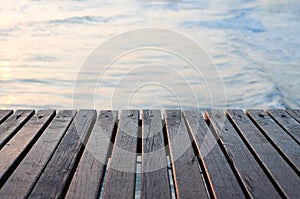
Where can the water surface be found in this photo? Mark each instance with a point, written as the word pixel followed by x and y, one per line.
pixel 255 45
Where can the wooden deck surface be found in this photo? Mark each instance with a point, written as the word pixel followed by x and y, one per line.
pixel 150 154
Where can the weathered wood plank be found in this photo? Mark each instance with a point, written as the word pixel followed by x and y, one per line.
pixel 90 171
pixel 252 175
pixel 54 180
pixel 224 182
pixel 286 145
pixel 11 126
pixel 295 113
pixel 4 114
pixel 28 171
pixel 189 182
pixel 287 122
pixel 155 180
pixel 120 180
pixel 15 150
pixel 284 176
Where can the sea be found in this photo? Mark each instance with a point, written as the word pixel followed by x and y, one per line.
pixel 64 54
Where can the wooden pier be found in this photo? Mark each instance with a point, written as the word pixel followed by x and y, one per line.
pixel 181 154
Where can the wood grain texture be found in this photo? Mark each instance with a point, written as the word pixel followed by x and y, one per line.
pixel 15 150
pixel 87 178
pixel 222 179
pixel 295 113
pixel 28 171
pixel 120 180
pixel 287 122
pixel 58 172
pixel 11 126
pixel 285 145
pixel 189 182
pixel 4 114
pixel 155 180
pixel 252 175
pixel 274 164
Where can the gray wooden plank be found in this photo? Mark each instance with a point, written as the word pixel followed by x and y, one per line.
pixel 15 150
pixel 28 171
pixel 54 180
pixel 11 126
pixel 120 180
pixel 284 176
pixel 222 178
pixel 295 113
pixel 86 181
pixel 287 122
pixel 4 114
pixel 155 180
pixel 286 145
pixel 252 175
pixel 189 183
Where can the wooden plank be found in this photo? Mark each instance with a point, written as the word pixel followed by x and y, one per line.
pixel 4 114
pixel 55 178
pixel 15 150
pixel 90 171
pixel 11 126
pixel 28 171
pixel 188 180
pixel 252 175
pixel 120 180
pixel 279 170
pixel 155 180
pixel 222 178
pixel 287 122
pixel 295 113
pixel 286 146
